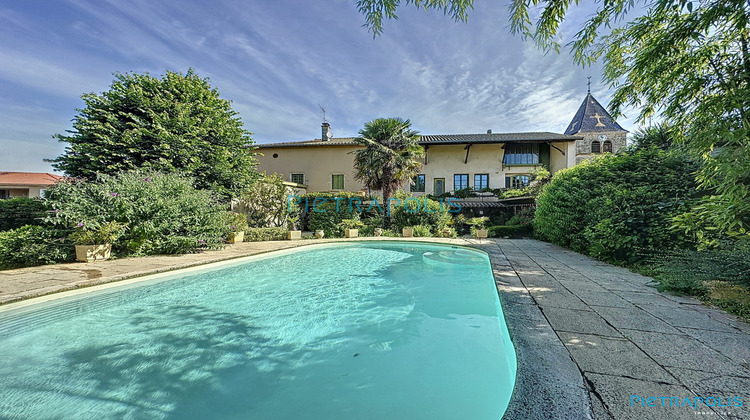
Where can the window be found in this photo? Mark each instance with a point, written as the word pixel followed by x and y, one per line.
pixel 460 181
pixel 517 181
pixel 418 183
pixel 521 154
pixel 607 146
pixel 596 147
pixel 4 194
pixel 438 186
pixel 337 182
pixel 297 178
pixel 481 181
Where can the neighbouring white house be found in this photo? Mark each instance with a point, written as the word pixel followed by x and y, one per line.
pixel 453 161
pixel 26 184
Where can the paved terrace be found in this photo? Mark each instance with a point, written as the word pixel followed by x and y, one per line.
pixel 588 335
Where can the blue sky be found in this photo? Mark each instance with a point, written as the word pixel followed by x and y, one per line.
pixel 276 60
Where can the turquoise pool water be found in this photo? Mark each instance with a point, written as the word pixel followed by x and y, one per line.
pixel 364 330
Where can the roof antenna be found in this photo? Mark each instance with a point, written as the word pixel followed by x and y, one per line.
pixel 324 113
pixel 588 88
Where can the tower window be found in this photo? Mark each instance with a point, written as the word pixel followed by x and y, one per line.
pixel 596 147
pixel 607 146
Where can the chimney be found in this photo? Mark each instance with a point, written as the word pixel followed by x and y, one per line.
pixel 326 134
pixel 489 131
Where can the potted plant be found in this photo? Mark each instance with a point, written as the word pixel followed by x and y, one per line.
pixel 238 224
pixel 293 232
pixel 351 227
pixel 94 241
pixel 320 233
pixel 407 232
pixel 478 226
pixel 447 232
pixel 378 231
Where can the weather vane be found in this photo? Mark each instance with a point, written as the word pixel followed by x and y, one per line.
pixel 324 113
pixel 588 88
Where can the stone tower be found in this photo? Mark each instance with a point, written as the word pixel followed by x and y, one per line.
pixel 601 133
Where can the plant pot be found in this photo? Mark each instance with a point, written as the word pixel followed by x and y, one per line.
pixel 407 232
pixel 351 233
pixel 320 234
pixel 89 253
pixel 447 232
pixel 480 233
pixel 294 234
pixel 237 237
pixel 378 231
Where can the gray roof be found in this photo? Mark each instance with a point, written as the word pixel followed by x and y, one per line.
pixel 592 117
pixel 494 138
pixel 431 139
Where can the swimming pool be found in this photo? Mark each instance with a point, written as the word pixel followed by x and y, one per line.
pixel 350 330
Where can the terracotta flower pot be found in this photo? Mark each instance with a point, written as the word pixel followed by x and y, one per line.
pixel 294 234
pixel 407 232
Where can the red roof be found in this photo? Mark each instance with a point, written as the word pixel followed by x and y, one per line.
pixel 28 178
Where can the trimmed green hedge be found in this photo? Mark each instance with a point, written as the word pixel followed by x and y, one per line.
pixel 326 218
pixel 618 207
pixel 22 211
pixel 512 231
pixel 265 234
pixel 34 245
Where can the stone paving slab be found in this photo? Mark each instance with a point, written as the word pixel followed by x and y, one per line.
pixel 667 345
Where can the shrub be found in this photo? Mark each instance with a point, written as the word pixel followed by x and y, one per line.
pixel 34 245
pixel 22 211
pixel 422 231
pixel 105 233
pixel 413 213
pixel 326 218
pixel 512 231
pixel 163 213
pixel 616 206
pixel 265 234
pixel 267 202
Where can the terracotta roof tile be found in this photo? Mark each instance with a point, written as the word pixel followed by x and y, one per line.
pixel 29 178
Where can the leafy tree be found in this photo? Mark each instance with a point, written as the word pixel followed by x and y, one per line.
pixel 688 61
pixel 174 124
pixel 388 158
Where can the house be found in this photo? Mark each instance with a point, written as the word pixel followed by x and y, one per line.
pixel 452 161
pixel 25 184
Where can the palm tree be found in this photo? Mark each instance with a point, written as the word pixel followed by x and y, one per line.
pixel 388 159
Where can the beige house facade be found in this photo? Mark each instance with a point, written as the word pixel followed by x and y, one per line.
pixel 452 161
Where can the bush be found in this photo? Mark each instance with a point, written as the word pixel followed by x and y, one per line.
pixel 617 207
pixel 512 231
pixel 163 213
pixel 326 218
pixel 265 234
pixel 266 202
pixel 34 245
pixel 413 213
pixel 22 211
pixel 422 231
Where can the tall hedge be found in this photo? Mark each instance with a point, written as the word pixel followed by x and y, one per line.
pixel 21 211
pixel 618 207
